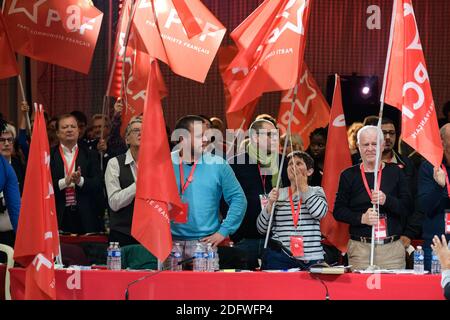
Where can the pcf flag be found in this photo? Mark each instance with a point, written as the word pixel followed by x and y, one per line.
pixel 311 109
pixel 61 32
pixel 8 63
pixel 37 241
pixel 157 195
pixel 407 85
pixel 271 43
pixel 337 158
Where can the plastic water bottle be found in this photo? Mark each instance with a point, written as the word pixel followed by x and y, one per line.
pixel 176 257
pixel 418 260
pixel 199 258
pixel 216 259
pixel 109 256
pixel 210 258
pixel 116 257
pixel 435 264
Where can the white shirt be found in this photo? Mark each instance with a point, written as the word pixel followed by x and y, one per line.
pixel 119 198
pixel 69 154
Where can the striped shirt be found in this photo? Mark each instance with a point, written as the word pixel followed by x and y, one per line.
pixel 313 208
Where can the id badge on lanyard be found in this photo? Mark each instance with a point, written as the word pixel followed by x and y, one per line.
pixel 381 229
pixel 297 246
pixel 296 243
pixel 183 217
pixel 264 200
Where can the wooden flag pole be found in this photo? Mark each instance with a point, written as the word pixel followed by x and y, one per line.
pixel 288 132
pixel 376 206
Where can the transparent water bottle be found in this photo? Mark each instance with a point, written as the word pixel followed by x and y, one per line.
pixel 176 257
pixel 116 257
pixel 216 259
pixel 199 258
pixel 418 260
pixel 435 264
pixel 210 258
pixel 109 252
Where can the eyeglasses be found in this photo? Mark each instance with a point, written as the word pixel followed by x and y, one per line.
pixel 135 131
pixel 3 140
pixel 391 132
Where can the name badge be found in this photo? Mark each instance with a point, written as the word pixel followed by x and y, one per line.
pixel 447 221
pixel 297 247
pixel 380 229
pixel 182 217
pixel 264 200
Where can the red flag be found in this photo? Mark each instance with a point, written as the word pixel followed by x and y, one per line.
pixel 37 241
pixel 187 18
pixel 8 63
pixel 135 63
pixel 271 44
pixel 60 32
pixel 190 57
pixel 242 118
pixel 311 109
pixel 337 158
pixel 154 201
pixel 408 85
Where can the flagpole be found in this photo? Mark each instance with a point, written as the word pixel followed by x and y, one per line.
pixel 111 74
pixel 22 91
pixel 288 132
pixel 376 206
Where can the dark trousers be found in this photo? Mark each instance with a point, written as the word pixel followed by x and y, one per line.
pixel 280 260
pixel 8 238
pixel 71 221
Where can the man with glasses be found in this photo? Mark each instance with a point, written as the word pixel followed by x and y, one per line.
pixel 257 171
pixel 120 182
pixel 10 199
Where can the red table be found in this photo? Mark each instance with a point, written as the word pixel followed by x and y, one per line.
pixel 106 285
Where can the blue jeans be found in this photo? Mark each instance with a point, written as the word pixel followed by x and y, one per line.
pixel 280 260
pixel 253 249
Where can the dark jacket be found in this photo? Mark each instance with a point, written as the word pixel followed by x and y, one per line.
pixel 251 182
pixel 86 195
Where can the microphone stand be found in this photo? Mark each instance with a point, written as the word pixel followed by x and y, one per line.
pixel 132 283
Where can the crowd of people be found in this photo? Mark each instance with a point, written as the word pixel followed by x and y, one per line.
pixel 239 196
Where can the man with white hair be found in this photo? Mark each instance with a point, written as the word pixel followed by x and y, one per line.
pixel 355 202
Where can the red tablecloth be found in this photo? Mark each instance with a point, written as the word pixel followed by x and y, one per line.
pixel 105 284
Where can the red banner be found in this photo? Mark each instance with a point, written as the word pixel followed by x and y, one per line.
pixel 8 63
pixel 157 198
pixel 337 158
pixel 61 32
pixel 311 109
pixel 168 41
pixel 37 240
pixel 408 85
pixel 271 43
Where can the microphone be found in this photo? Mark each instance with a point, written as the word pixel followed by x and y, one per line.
pixel 327 295
pixel 132 283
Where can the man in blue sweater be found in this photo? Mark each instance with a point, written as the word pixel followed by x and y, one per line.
pixel 433 197
pixel 202 179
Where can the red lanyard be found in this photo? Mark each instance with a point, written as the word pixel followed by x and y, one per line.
pixel 263 179
pixel 68 170
pixel 295 213
pixel 189 179
pixel 446 179
pixel 366 185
